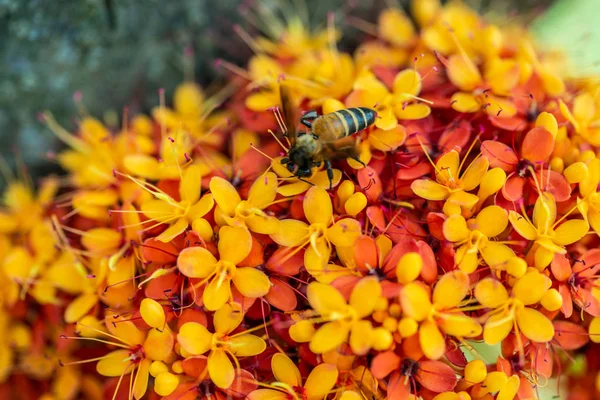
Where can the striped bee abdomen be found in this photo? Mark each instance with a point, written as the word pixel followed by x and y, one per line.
pixel 343 123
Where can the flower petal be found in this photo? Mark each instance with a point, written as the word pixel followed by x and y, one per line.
pixel 246 345
pixel 570 232
pixel 220 369
pixel 216 294
pixel 531 287
pixel 344 232
pixel 225 195
pixel 428 189
pixel 201 207
pixel 263 190
pixel 251 282
pixel 234 244
pixel 196 262
pixel 522 225
pixel 285 370
pixel 325 299
pixel 360 337
pixel 455 228
pixel 364 296
pixel 535 325
pixel 497 328
pixel 291 233
pixel 329 336
pixel 432 341
pixel 173 231
pixel 492 221
pixel 415 301
pixel 451 289
pixel 490 293
pixel 320 381
pixel 190 184
pixel 473 175
pixel 194 338
pixel 317 206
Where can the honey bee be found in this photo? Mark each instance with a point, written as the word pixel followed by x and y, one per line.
pixel 329 137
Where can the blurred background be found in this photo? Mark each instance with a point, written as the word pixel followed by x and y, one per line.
pixel 117 53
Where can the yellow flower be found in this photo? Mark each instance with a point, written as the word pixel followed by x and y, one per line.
pixel 453 185
pixel 347 321
pixel 23 209
pixel 442 315
pixel 473 238
pixel 179 215
pixel 390 106
pixel 232 210
pixel 585 117
pixel 321 232
pixel 196 340
pixel 318 385
pixel 550 237
pixel 589 203
pixel 234 245
pixel 515 311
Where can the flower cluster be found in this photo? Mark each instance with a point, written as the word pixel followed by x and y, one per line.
pixel 180 259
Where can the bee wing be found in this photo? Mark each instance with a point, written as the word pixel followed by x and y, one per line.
pixel 290 113
pixel 339 149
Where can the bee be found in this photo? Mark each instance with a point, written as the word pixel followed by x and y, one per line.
pixel 329 137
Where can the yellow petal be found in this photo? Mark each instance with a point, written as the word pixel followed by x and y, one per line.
pixel 360 337
pixel 247 345
pixel 594 330
pixel 79 307
pixel 344 232
pixel 535 325
pixel 173 231
pixel 496 254
pixel 189 187
pixel 317 206
pixel 415 301
pixel 570 232
pixel 510 389
pixel 450 289
pixel 463 73
pixel 324 298
pixel 544 212
pixel 474 173
pixel 447 165
pixel 547 121
pixel 251 282
pixel 234 244
pixel 522 226
pixel 364 296
pixel 431 340
pixel 531 287
pixel 459 325
pixel 412 111
pixel 285 370
pixel 320 381
pixel 201 207
pixel 467 258
pixel 196 262
pixel 267 394
pixel 227 318
pixel 492 221
pixel 220 369
pixel 490 293
pixel 428 189
pixel 407 82
pixel 225 195
pixel 140 385
pixel 265 225
pixel 387 140
pixel 216 294
pixel 114 363
pixel 492 182
pixel 455 228
pixel 152 313
pixel 409 267
pixel 290 233
pixel 497 328
pixel 355 204
pixel 263 190
pixel 329 336
pixel 194 338
pixel 159 344
pixel 465 102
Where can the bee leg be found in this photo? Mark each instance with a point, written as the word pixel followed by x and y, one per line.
pixel 329 173
pixel 285 160
pixel 305 181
